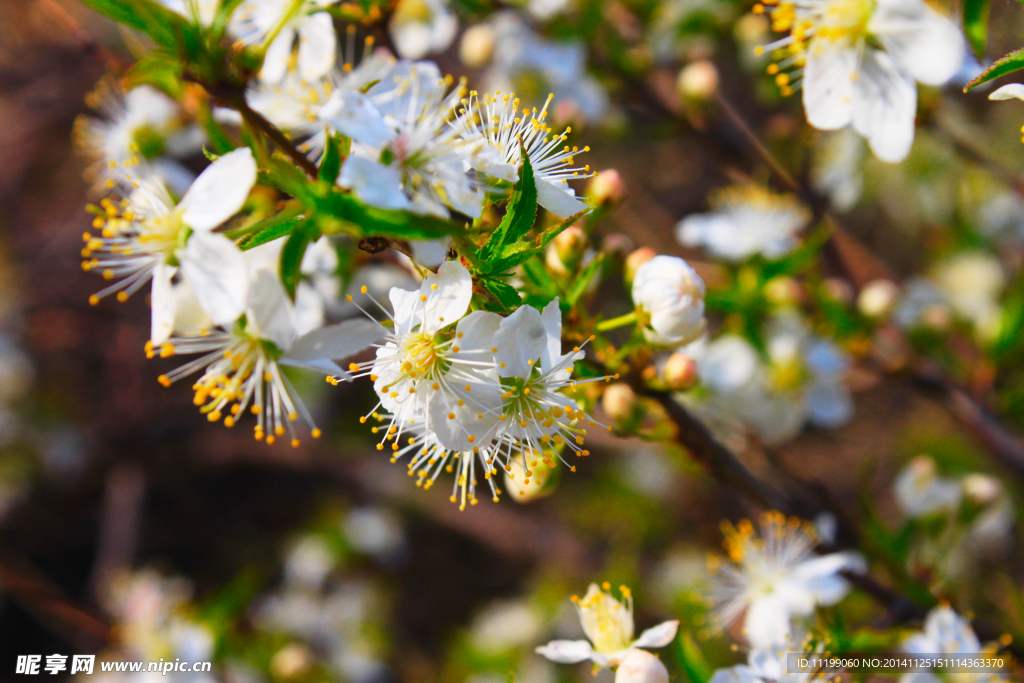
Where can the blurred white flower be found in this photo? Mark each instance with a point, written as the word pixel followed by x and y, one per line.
pixel 282 23
pixel 748 220
pixel 768 664
pixel 420 27
pixel 640 666
pixel 972 282
pixel 921 305
pixel 837 169
pixel 373 531
pixel 608 623
pixel 774 575
pixel 669 295
pixel 946 632
pixel 503 626
pixel 920 491
pixel 308 563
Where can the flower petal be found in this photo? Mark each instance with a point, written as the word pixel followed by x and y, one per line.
pixel 270 311
pixel 217 271
pixel 828 83
pixel 926 44
pixel 1008 92
pixel 766 623
pixel 551 316
pixel 447 292
pixel 820 577
pixel 430 253
pixel 885 103
pixel 336 342
pixel 277 56
pixel 373 183
pixel 317 46
pixel 520 340
pixel 475 335
pixel 740 673
pixel 163 303
pixel 558 198
pixel 463 419
pixel 658 636
pixel 566 651
pixel 219 191
pixel 354 114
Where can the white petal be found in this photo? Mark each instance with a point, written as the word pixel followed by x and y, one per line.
pixel 475 333
pixel 336 342
pixel 374 183
pixel 430 253
pixel 924 43
pixel 766 623
pixel 406 305
pixel 216 269
pixel 317 46
pixel 640 666
pixel 464 419
pixel 275 61
pixel 219 191
pixel 320 365
pixel 520 340
pixel 884 107
pixel 828 83
pixel 558 198
pixel 566 651
pixel 551 316
pixel 309 308
pixel 163 304
pixel 1008 92
pixel 448 294
pixel 190 320
pixel 735 674
pixel 658 636
pixel 270 311
pixel 820 576
pixel 354 114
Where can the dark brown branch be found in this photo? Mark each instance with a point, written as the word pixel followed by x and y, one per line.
pixel 257 121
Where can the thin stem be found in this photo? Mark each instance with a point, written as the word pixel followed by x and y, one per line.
pixel 613 323
pixel 257 121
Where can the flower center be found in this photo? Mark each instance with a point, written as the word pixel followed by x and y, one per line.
pixel 420 357
pixel 845 18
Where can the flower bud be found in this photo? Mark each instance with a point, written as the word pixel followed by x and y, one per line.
pixel 697 80
pixel 680 372
pixel 637 259
pixel 640 666
pixel 981 488
pixel 877 299
pixel 566 251
pixel 477 46
pixel 669 296
pixel 606 188
pixel 618 401
pixel 524 489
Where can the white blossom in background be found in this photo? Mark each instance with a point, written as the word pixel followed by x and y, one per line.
pixel 608 625
pixel 284 23
pixel 669 296
pixel 640 666
pixel 860 60
pixel 747 220
pixel 141 235
pixel 948 633
pixel 422 27
pixel 768 664
pixel 242 363
pixel 922 305
pixel 773 575
pixel 838 168
pixel 921 491
pixel 972 282
pixel 532 66
pixel 494 133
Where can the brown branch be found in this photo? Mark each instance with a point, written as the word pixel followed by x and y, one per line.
pixel 257 121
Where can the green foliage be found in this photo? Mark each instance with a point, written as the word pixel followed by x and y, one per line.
pixel 507 295
pixel 976 24
pixel 1005 65
pixel 519 217
pixel 334 154
pixel 691 659
pixel 272 229
pixel 291 255
pixel 157 69
pixel 167 28
pixel 582 282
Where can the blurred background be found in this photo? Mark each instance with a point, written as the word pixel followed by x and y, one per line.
pixel 129 524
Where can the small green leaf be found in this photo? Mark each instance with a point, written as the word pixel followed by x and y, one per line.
pixel 519 216
pixel 291 258
pixel 976 24
pixel 555 230
pixel 505 293
pixel 158 69
pixel 691 659
pixel 1002 66
pixel 330 166
pixel 582 282
pixel 164 26
pixel 271 229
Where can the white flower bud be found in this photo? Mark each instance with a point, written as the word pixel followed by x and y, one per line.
pixel 698 80
pixel 477 46
pixel 670 297
pixel 566 251
pixel 606 188
pixel 640 666
pixel 680 372
pixel 637 259
pixel 878 298
pixel 981 489
pixel 523 489
pixel 618 400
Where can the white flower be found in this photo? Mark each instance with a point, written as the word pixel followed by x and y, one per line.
pixel 860 60
pixel 436 363
pixel 608 624
pixel 640 666
pixel 768 664
pixel 148 236
pixel 282 22
pixel 669 295
pixel 920 491
pixel 774 575
pixel 747 221
pixel 494 132
pixel 420 27
pixel 922 304
pixel 946 632
pixel 838 159
pixel 972 282
pixel 242 364
pixel 419 168
pixel 202 11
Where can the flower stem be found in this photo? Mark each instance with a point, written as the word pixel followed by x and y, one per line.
pixel 612 323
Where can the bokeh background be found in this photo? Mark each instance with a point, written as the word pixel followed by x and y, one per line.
pixel 129 523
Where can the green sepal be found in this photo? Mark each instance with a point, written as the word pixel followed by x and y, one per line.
pixel 1002 66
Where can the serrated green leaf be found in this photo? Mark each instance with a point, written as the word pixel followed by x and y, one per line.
pixel 330 165
pixel 509 256
pixel 336 205
pixel 582 282
pixel 555 230
pixel 1002 66
pixel 519 216
pixel 691 659
pixel 976 24
pixel 291 257
pixel 271 229
pixel 505 293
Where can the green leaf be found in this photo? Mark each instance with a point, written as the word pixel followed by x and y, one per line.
pixel 291 258
pixel 505 293
pixel 691 659
pixel 164 26
pixel 519 216
pixel 976 24
pixel 330 166
pixel 272 229
pixel 555 230
pixel 224 12
pixel 1002 66
pixel 158 69
pixel 582 282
